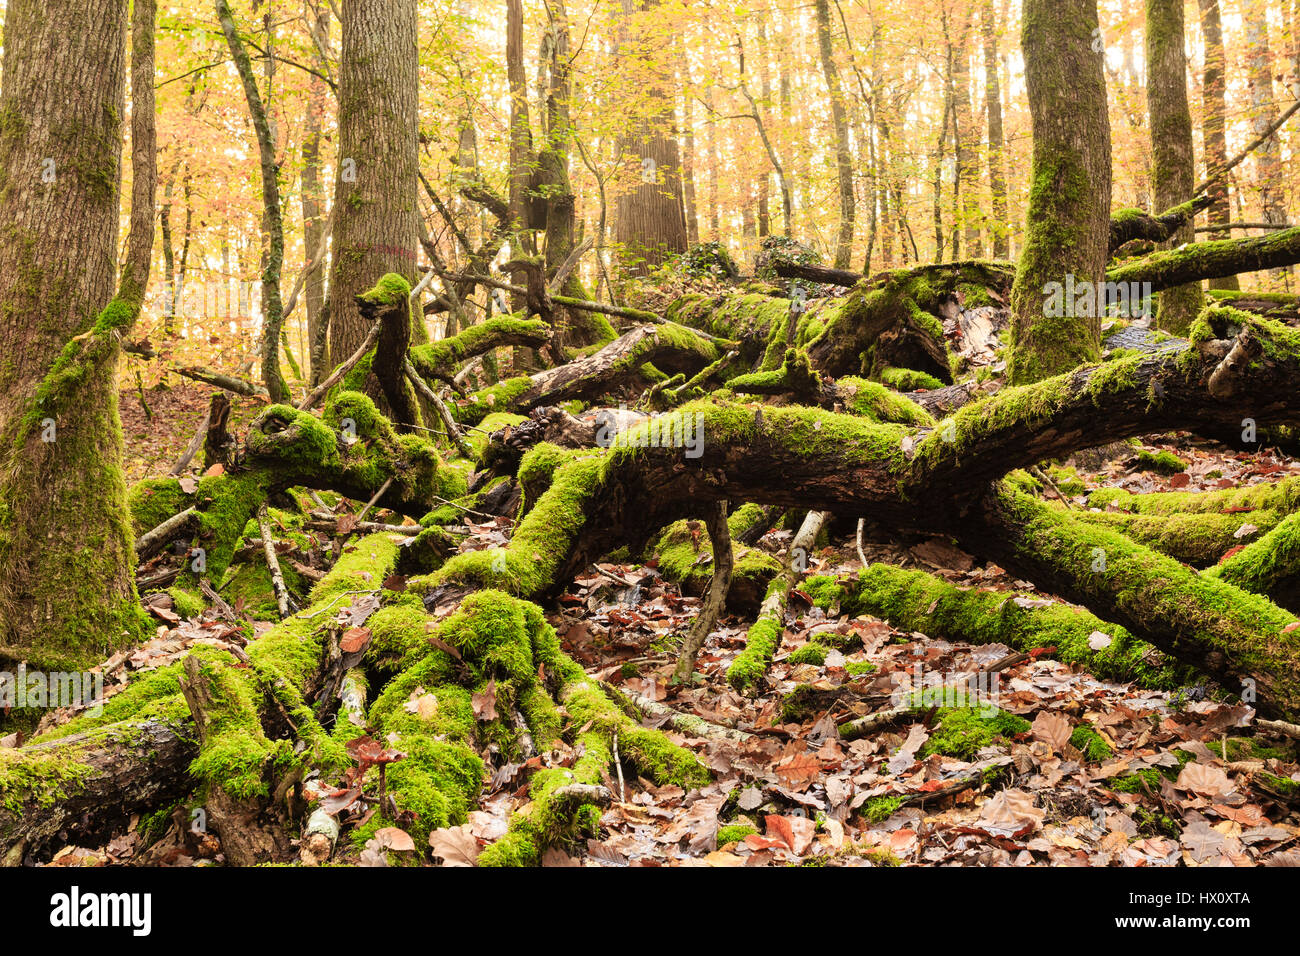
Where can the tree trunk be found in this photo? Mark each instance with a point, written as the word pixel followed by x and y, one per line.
pixel 67 594
pixel 313 193
pixel 1174 174
pixel 840 124
pixel 966 140
pixel 1067 234
pixel 375 230
pixel 648 220
pixel 273 221
pixel 1215 108
pixel 1268 157
pixel 999 224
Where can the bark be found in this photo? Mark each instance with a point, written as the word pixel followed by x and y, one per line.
pixel 648 220
pixel 63 600
pixel 1069 198
pixel 1174 172
pixel 313 191
pixel 999 223
pixel 272 218
pixel 840 125
pixel 1214 108
pixel 375 206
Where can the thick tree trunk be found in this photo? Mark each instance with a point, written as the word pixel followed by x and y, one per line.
pixel 648 220
pixel 66 590
pixel 1069 196
pixel 375 229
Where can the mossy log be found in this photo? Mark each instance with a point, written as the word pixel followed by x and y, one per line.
pixel 914 600
pixel 441 360
pixel 252 708
pixel 1270 565
pixel 938 480
pixel 763 639
pixel 1211 260
pixel 889 320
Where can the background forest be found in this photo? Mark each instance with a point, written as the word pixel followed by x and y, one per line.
pixel 921 107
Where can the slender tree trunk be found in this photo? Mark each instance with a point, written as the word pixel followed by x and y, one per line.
pixel 67 591
pixel 1068 232
pixel 1174 171
pixel 313 190
pixel 1215 109
pixel 999 224
pixel 688 147
pixel 273 258
pixel 375 229
pixel 1268 157
pixel 712 157
pixel 764 106
pixel 966 141
pixel 840 124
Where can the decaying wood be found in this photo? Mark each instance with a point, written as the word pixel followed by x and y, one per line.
pixel 707 617
pixel 154 540
pixel 282 599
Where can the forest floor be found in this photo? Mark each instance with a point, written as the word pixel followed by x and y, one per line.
pixel 1167 777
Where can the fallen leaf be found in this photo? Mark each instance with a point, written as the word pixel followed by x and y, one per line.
pixel 455 845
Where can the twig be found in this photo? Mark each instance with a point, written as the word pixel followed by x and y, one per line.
pixel 273 563
pixel 151 542
pixel 690 724
pixel 371 503
pixel 865 725
pixel 1279 727
pixel 1045 479
pixel 319 391
pixel 453 431
pixel 618 765
pixel 195 444
pixel 571 261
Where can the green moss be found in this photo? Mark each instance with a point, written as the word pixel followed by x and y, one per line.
pixel 859 668
pixel 761 642
pixel 908 380
pixel 880 809
pixel 1091 744
pixel 1165 462
pixel 1140 781
pixel 1248 748
pixel 875 401
pixel 734 833
pixel 186 603
pixel 498 397
pixel 808 654
pixel 963 731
